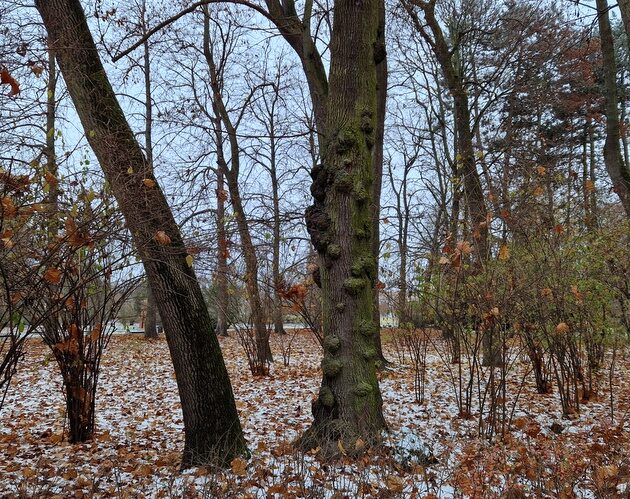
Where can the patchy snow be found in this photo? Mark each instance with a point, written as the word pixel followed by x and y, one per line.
pixel 428 449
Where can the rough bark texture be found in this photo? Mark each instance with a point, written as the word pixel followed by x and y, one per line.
pixel 212 429
pixel 349 405
pixel 297 32
pixel 617 170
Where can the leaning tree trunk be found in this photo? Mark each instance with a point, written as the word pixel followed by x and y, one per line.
pixel 349 405
pixel 618 171
pixel 211 425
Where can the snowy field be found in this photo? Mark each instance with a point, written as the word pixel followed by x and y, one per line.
pixel 139 435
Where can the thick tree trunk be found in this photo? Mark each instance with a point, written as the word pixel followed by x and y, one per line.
pixel 211 425
pixel 297 32
pixel 349 405
pixel 618 171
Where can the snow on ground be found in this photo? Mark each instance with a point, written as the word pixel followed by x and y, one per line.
pixel 139 435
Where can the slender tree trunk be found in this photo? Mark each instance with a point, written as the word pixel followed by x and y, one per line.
pixel 617 170
pixel 223 297
pixel 150 325
pixel 349 405
pixel 377 167
pixel 263 350
pixel 275 264
pixel 211 425
pixel 624 8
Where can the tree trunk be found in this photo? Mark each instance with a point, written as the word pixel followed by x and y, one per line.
pixel 377 168
pixel 150 323
pixel 211 425
pixel 223 297
pixel 473 190
pixel 618 171
pixel 297 32
pixel 624 8
pixel 349 405
pixel 275 264
pixel 263 350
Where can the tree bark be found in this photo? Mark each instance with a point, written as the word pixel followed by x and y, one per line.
pixel 275 263
pixel 298 34
pixel 211 425
pixel 624 8
pixel 340 223
pixel 618 171
pixel 223 297
pixel 150 323
pixel 377 168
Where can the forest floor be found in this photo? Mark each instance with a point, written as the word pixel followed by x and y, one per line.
pixel 139 436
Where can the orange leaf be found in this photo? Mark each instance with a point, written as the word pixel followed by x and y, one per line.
pixel 504 252
pixel 51 179
pixel 8 208
pixel 562 328
pixel 96 333
pixel 52 275
pixel 149 183
pixel 464 247
pixel 162 238
pixel 239 466
pixel 7 79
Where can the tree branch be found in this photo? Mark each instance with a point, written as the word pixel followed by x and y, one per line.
pixel 181 14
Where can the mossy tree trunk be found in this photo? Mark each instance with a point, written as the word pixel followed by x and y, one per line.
pixel 297 32
pixel 211 425
pixel 349 405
